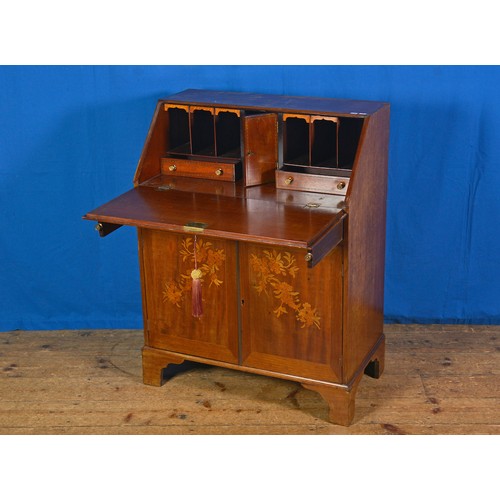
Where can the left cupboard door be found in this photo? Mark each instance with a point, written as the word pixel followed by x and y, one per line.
pixel 167 260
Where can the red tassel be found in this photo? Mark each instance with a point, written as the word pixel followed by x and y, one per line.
pixel 196 288
pixel 196 274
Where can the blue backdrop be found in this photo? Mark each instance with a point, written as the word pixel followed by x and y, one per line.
pixel 71 138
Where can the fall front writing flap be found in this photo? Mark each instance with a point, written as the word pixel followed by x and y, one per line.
pixel 235 218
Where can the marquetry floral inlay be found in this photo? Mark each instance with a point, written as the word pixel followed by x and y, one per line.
pixel 209 262
pixel 275 272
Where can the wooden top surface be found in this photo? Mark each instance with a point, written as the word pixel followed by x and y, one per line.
pixel 276 102
pixel 263 219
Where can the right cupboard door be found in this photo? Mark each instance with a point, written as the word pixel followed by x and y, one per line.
pixel 291 315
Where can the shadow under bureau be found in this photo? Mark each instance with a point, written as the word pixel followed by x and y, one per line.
pixel 261 229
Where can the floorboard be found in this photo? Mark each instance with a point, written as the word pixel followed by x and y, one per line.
pixel 438 379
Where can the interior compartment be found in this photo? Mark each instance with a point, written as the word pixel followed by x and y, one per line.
pixel 296 141
pixel 349 134
pixel 227 131
pixel 179 131
pixel 322 143
pixel 324 147
pixel 202 132
pixel 315 144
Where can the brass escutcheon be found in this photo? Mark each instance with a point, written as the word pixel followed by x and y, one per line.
pixel 288 180
pixel 195 227
pixel 172 168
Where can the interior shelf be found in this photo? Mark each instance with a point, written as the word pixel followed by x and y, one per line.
pixel 317 170
pixel 183 149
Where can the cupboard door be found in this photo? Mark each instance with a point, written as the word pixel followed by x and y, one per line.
pixel 291 314
pixel 261 148
pixel 167 262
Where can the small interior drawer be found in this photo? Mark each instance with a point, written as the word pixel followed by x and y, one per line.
pixel 311 182
pixel 222 171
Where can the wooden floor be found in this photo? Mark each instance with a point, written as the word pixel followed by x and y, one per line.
pixel 437 380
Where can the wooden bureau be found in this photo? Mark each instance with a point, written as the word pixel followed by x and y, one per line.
pixel 279 203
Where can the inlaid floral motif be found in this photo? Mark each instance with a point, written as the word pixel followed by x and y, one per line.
pixel 173 292
pixel 209 261
pixel 275 272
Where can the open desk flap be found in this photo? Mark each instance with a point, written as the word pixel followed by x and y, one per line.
pixel 260 220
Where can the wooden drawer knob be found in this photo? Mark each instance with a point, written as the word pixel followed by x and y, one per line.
pixel 172 168
pixel 288 180
pixel 219 171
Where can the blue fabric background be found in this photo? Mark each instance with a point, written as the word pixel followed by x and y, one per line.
pixel 70 139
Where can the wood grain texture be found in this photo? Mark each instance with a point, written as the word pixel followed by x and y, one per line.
pixel 364 240
pixel 291 104
pixel 311 182
pixel 341 401
pixel 153 366
pixel 261 220
pixel 216 170
pixel 167 282
pixel 438 379
pixel 265 309
pixel 267 192
pixel 291 314
pixel 155 146
pixel 190 184
pixel 325 243
pixel 260 135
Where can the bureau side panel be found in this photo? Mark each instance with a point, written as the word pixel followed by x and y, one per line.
pixel 168 259
pixel 291 314
pixel 140 240
pixel 155 146
pixel 364 239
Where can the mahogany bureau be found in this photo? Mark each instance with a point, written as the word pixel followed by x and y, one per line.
pixel 261 229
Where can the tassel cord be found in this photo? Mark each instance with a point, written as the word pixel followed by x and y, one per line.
pixel 197 300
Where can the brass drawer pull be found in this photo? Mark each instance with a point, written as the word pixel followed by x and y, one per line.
pixel 172 168
pixel 341 185
pixel 288 180
pixel 219 171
